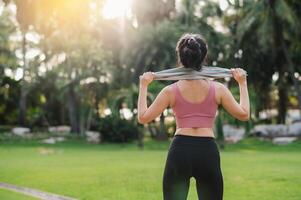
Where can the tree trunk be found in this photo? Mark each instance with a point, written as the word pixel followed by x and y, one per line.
pixel 62 118
pixel 140 139
pixel 89 119
pixel 141 128
pixel 152 130
pixel 291 72
pixel 219 130
pixel 161 135
pixel 72 109
pixel 23 92
pixel 282 104
pixel 22 107
pixel 280 62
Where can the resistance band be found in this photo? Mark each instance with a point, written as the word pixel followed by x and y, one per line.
pixel 180 73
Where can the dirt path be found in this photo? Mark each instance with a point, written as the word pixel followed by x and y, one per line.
pixel 34 193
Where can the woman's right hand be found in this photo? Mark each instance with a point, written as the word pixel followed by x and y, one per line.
pixel 239 75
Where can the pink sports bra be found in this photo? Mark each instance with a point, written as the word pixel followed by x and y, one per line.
pixel 188 114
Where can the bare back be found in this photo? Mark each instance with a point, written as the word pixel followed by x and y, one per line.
pixel 185 87
pixel 223 97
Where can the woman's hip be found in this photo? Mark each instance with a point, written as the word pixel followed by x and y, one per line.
pixel 194 144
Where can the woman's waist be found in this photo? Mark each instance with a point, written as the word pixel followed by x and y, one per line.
pixel 203 143
pixel 195 122
pixel 197 132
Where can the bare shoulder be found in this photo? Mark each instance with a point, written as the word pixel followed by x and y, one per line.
pixel 169 93
pixel 167 90
pixel 219 85
pixel 219 91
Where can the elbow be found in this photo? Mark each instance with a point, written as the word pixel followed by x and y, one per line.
pixel 245 117
pixel 141 120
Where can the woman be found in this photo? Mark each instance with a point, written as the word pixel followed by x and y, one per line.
pixel 193 151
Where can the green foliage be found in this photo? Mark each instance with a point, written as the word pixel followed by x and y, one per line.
pixel 153 47
pixel 155 87
pixel 9 94
pixel 266 33
pixel 85 61
pixel 115 129
pixel 5 128
pixel 7 28
pixel 254 105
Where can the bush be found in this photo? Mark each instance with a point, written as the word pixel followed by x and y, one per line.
pixel 116 129
pixel 5 128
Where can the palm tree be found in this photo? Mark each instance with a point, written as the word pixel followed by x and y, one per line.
pixel 25 18
pixel 270 26
pixel 130 97
pixel 70 32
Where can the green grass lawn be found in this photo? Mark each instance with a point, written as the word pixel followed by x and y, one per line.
pixel 10 195
pixel 252 170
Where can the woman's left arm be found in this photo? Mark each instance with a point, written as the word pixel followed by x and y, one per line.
pixel 160 103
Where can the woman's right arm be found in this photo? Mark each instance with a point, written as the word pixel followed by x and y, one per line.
pixel 240 111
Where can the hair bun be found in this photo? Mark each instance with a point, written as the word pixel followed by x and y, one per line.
pixel 192 43
pixel 191 51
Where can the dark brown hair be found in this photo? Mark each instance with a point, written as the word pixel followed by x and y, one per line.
pixel 191 51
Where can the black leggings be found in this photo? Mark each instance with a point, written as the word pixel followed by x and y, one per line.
pixel 193 156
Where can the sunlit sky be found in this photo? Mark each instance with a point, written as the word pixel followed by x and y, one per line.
pixel 116 8
pixel 120 8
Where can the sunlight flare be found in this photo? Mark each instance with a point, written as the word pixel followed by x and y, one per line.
pixel 116 8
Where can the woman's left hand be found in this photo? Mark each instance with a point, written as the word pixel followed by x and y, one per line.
pixel 146 78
